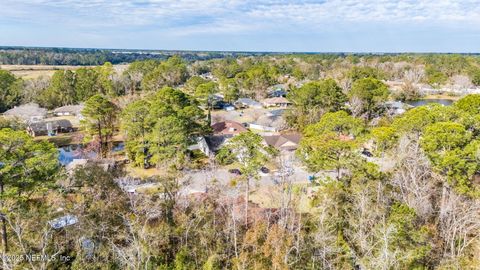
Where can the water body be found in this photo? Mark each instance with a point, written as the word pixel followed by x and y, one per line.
pixel 421 102
pixel 75 151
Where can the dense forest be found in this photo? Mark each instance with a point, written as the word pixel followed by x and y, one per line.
pixel 412 203
pixel 90 57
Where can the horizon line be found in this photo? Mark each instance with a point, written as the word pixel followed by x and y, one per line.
pixel 230 51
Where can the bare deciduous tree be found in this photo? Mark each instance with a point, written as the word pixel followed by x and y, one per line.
pixel 413 177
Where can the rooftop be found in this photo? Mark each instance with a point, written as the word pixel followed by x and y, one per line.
pixel 249 102
pixel 73 109
pixel 215 142
pixel 43 125
pixel 228 127
pixel 268 120
pixel 276 100
pixel 284 141
pixel 27 111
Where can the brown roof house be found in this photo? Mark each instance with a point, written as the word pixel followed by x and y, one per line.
pixel 283 142
pixel 227 127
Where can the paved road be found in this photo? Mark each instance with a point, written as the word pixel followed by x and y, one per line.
pixel 200 180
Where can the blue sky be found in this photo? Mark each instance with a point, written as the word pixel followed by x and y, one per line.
pixel 245 25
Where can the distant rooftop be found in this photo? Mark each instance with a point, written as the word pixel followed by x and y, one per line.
pixel 30 111
pixel 249 102
pixel 69 109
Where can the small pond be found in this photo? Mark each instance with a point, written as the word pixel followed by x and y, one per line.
pixel 75 151
pixel 421 102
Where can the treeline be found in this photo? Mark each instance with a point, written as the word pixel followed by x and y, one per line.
pixel 92 57
pixel 65 56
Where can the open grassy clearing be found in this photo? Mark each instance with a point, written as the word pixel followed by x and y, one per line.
pixel 36 71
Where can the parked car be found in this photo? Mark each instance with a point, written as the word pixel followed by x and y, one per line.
pixel 366 153
pixel 229 108
pixel 235 171
pixel 264 170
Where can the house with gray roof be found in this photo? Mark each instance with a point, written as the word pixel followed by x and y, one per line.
pixel 249 103
pixel 43 128
pixel 75 110
pixel 30 112
pixel 283 142
pixel 276 102
pixel 269 123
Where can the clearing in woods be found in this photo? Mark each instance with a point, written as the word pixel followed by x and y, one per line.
pixel 36 71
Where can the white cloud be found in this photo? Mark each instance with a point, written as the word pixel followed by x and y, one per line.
pixel 373 10
pixel 193 16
